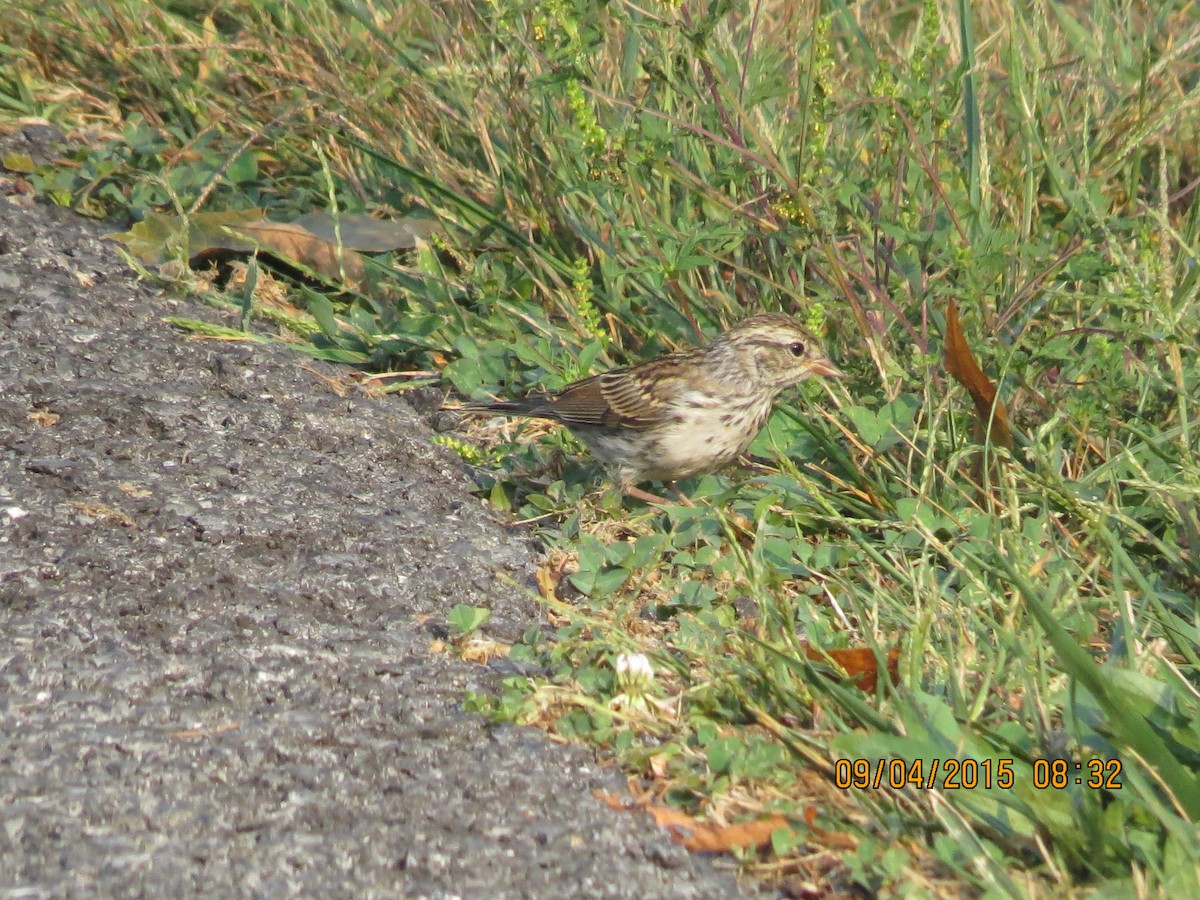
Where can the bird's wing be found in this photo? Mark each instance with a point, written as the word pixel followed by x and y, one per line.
pixel 640 397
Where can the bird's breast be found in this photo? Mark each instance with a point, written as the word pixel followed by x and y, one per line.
pixel 707 437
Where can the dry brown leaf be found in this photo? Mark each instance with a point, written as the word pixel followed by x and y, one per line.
pixel 339 384
pixel 368 235
pixel 859 664
pixel 103 513
pixel 697 836
pixel 659 765
pixel 705 838
pixel 547 582
pixel 294 243
pixel 839 840
pixel 961 364
pixel 154 239
pixel 43 417
pixel 612 801
pixel 482 650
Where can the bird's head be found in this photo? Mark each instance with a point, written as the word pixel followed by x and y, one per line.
pixel 774 350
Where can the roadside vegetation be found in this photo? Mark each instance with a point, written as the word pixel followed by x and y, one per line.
pixel 1006 589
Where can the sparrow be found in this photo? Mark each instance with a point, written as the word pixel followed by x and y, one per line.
pixel 683 413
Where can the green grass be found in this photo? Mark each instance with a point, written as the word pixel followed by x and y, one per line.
pixel 611 180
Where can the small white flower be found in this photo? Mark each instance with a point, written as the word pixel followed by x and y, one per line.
pixel 634 667
pixel 635 681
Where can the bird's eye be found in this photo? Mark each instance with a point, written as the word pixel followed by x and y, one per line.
pixel 796 349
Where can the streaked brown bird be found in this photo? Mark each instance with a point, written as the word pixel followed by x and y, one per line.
pixel 687 412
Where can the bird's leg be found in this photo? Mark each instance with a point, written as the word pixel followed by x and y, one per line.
pixel 684 500
pixel 632 490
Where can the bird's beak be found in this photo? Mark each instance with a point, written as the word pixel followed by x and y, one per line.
pixel 825 368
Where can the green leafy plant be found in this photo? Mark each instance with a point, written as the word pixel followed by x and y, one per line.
pixel 467 619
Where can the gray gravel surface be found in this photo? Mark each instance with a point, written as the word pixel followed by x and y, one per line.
pixel 218 581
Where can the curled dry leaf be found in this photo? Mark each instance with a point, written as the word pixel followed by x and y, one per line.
pixel 211 235
pixel 298 245
pixel 43 417
pixel 698 836
pixel 859 663
pixel 840 840
pixel 547 582
pixel 368 235
pixel 992 416
pixel 103 513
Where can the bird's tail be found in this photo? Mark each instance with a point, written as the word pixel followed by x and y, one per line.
pixel 525 407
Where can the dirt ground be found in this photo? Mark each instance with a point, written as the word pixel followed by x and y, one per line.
pixel 219 581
